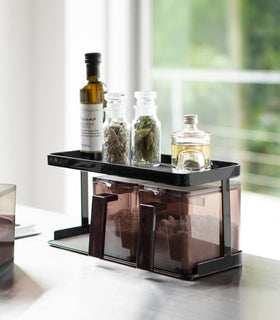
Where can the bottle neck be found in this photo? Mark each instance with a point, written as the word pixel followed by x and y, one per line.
pixel 94 78
pixel 190 127
pixel 93 72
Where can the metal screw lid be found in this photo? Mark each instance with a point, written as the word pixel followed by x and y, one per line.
pixel 190 119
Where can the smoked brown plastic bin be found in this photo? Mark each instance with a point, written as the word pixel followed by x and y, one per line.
pixel 168 223
pixel 183 226
pixel 7 230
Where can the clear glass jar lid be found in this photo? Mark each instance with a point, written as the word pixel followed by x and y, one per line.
pixel 114 99
pixel 145 97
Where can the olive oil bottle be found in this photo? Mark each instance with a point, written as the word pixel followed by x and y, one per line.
pixel 91 114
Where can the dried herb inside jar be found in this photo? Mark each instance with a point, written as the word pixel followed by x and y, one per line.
pixel 146 139
pixel 116 143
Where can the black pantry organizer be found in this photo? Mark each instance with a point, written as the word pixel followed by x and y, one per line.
pixel 95 233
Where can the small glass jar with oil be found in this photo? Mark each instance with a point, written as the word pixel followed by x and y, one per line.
pixel 190 147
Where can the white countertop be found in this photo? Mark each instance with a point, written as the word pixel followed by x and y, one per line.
pixel 51 283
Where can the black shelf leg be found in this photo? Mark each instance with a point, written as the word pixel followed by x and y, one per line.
pixel 226 219
pixel 84 198
pixel 84 227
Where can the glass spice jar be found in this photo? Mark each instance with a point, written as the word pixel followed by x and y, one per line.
pixel 190 147
pixel 146 130
pixel 116 131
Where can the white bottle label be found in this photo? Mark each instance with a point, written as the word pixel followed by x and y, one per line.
pixel 91 127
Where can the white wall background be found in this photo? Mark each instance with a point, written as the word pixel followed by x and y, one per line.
pixel 47 89
pixel 32 98
pixel 15 108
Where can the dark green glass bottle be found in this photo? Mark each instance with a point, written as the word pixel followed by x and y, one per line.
pixel 92 100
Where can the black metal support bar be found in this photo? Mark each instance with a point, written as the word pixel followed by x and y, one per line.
pixel 84 198
pixel 98 223
pixel 220 264
pixel 226 219
pixel 146 234
pixel 70 232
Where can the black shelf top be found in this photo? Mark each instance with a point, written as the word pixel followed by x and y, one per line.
pixel 220 170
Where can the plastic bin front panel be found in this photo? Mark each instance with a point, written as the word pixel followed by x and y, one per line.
pixel 7 223
pixel 122 220
pixel 189 230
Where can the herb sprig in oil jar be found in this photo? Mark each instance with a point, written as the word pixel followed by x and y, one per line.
pixel 116 131
pixel 146 131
